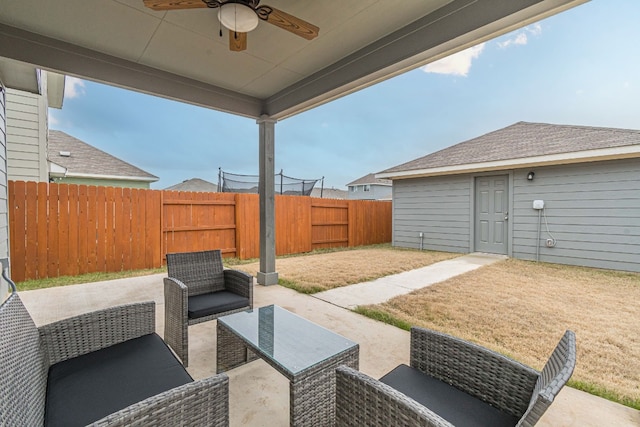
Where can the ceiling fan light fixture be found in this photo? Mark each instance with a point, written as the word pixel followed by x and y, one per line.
pixel 238 17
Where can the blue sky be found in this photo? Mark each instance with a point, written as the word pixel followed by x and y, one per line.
pixel 581 67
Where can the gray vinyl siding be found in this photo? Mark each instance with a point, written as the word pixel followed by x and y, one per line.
pixel 439 207
pixel 593 211
pixel 376 192
pixel 4 223
pixel 26 115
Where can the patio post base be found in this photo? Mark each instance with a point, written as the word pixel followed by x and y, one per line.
pixel 267 279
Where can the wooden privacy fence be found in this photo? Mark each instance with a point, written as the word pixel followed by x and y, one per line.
pixel 66 229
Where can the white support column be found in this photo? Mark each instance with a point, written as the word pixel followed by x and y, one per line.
pixel 266 188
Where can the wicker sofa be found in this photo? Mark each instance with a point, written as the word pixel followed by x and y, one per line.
pixel 105 368
pixel 452 382
pixel 197 290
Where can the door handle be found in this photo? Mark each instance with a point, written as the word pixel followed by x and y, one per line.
pixel 506 216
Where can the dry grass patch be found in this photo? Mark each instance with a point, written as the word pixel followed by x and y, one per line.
pixel 318 272
pixel 522 308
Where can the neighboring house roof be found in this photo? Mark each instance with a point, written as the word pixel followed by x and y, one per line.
pixel 195 184
pixel 82 160
pixel 329 193
pixel 524 144
pixel 370 179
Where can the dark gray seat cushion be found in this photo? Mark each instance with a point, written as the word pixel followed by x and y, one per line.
pixel 214 303
pixel 452 404
pixel 89 387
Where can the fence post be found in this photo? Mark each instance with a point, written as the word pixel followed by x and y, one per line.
pixel 239 229
pixel 163 245
pixel 351 228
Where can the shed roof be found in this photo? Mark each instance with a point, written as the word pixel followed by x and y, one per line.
pixel 87 161
pixel 370 179
pixel 195 184
pixel 524 144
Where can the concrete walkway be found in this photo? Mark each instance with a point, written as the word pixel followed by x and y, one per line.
pixel 259 395
pixel 383 289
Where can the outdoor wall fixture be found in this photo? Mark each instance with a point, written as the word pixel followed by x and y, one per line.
pixel 238 17
pixel 530 175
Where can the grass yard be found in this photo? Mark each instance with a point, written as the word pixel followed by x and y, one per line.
pixel 321 271
pixel 29 285
pixel 522 308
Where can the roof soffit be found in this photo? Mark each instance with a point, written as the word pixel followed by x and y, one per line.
pixel 178 54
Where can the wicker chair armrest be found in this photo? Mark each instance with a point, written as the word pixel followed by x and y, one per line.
pixel 239 283
pixel 176 294
pixel 93 331
pixel 199 403
pixel 478 371
pixel 364 401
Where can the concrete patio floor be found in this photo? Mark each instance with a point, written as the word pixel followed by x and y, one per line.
pixel 259 395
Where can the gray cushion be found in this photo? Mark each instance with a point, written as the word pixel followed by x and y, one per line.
pixel 214 303
pixel 452 404
pixel 89 387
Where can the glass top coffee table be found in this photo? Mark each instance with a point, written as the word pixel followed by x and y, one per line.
pixel 306 353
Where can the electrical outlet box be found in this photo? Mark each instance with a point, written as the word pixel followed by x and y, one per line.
pixel 420 234
pixel 538 204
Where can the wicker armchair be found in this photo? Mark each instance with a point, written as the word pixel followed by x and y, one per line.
pixel 199 289
pixel 104 368
pixel 452 382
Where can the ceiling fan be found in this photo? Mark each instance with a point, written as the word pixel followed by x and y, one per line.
pixel 240 17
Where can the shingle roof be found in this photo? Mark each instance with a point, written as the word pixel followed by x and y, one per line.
pixel 86 159
pixel 522 140
pixel 370 179
pixel 329 193
pixel 195 184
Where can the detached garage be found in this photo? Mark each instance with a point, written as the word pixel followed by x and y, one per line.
pixel 561 194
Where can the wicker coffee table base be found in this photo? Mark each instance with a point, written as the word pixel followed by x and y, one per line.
pixel 311 392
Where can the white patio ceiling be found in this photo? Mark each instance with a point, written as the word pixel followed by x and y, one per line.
pixel 179 54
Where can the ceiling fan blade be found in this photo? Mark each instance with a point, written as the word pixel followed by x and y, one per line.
pixel 291 23
pixel 174 4
pixel 237 41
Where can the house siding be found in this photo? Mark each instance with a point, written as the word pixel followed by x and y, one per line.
pixel 376 192
pixel 26 138
pixel 593 211
pixel 4 222
pixel 439 207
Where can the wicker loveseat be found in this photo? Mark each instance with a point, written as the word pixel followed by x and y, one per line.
pixel 452 382
pixel 106 368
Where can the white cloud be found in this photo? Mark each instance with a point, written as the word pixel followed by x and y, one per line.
pixel 521 38
pixel 73 87
pixel 53 121
pixel 457 64
pixel 535 29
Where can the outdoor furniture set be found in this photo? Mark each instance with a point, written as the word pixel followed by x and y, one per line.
pixel 110 368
